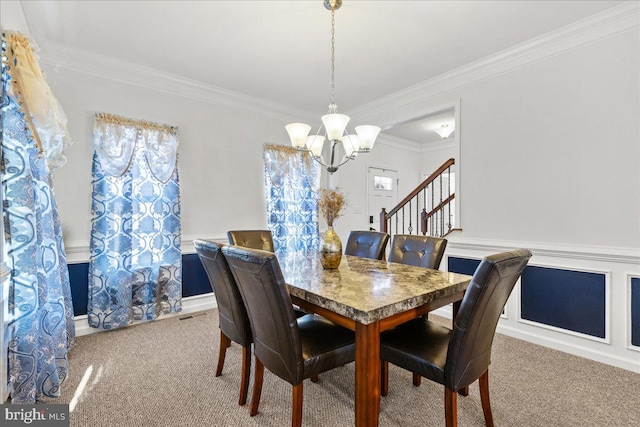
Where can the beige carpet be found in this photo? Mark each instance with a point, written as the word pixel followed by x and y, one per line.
pixel 162 374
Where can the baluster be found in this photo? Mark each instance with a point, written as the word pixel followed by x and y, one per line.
pixel 423 223
pixel 449 204
pixel 396 215
pixel 433 204
pixel 417 213
pixel 403 220
pixel 410 226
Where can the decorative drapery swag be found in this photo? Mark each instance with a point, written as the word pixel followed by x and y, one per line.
pixel 135 269
pixel 39 326
pixel 44 116
pixel 292 180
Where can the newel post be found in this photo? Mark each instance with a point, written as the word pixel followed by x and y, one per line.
pixel 383 221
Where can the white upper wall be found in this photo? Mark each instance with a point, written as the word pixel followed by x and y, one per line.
pixel 550 151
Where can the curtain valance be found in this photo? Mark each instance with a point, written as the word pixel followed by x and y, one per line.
pixel 280 159
pixel 43 114
pixel 115 141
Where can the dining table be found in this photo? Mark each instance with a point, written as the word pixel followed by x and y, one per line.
pixel 368 296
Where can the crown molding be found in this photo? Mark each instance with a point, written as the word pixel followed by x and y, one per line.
pixel 417 147
pixel 60 55
pixel 394 141
pixel 606 24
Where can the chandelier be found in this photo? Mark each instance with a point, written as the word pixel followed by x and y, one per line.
pixel 334 124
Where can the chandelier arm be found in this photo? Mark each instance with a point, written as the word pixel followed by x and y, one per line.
pixel 345 159
pixel 319 159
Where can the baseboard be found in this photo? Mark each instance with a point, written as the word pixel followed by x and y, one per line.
pixel 189 305
pixel 627 363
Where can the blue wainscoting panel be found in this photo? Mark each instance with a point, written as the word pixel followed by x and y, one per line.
pixel 566 299
pixel 79 280
pixel 194 277
pixel 194 281
pixel 462 265
pixel 635 311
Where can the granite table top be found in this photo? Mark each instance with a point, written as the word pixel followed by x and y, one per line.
pixel 366 290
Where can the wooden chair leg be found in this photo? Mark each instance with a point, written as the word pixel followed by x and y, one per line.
pixel 314 378
pixel 257 387
pixel 384 378
pixel 296 410
pixel 417 379
pixel 225 343
pixel 246 370
pixel 464 391
pixel 450 408
pixel 484 397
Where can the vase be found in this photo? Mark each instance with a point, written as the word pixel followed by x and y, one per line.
pixel 330 249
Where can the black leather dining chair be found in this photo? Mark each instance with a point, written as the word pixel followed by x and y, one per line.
pixel 421 251
pixel 367 244
pixel 292 348
pixel 418 250
pixel 257 239
pixel 456 358
pixel 232 315
pixel 254 239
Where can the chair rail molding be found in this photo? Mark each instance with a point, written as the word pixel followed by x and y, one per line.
pixel 555 250
pixel 78 251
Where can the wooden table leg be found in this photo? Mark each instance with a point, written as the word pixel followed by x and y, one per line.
pixel 367 374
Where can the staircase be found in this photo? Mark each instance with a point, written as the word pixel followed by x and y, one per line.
pixel 428 210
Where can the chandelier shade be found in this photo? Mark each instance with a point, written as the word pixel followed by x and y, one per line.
pixel 367 135
pixel 298 133
pixel 315 144
pixel 334 124
pixel 351 144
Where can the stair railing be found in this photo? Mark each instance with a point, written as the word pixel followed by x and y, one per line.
pixel 435 195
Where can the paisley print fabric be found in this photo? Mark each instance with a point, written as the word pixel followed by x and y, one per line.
pixel 135 269
pixel 40 328
pixel 292 180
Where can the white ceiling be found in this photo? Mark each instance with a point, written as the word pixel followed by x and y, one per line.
pixel 280 50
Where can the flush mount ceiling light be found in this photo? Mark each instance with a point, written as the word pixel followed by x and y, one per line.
pixel 333 123
pixel 444 131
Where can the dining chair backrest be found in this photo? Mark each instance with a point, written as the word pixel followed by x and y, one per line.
pixel 276 338
pixel 253 239
pixel 367 244
pixel 232 315
pixel 418 250
pixel 474 327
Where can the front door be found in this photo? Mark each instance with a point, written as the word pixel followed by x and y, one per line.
pixel 382 186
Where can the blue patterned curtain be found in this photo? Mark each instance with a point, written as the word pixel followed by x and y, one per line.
pixel 292 180
pixel 40 327
pixel 135 269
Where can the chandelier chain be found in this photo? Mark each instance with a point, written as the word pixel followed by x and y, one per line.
pixel 333 56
